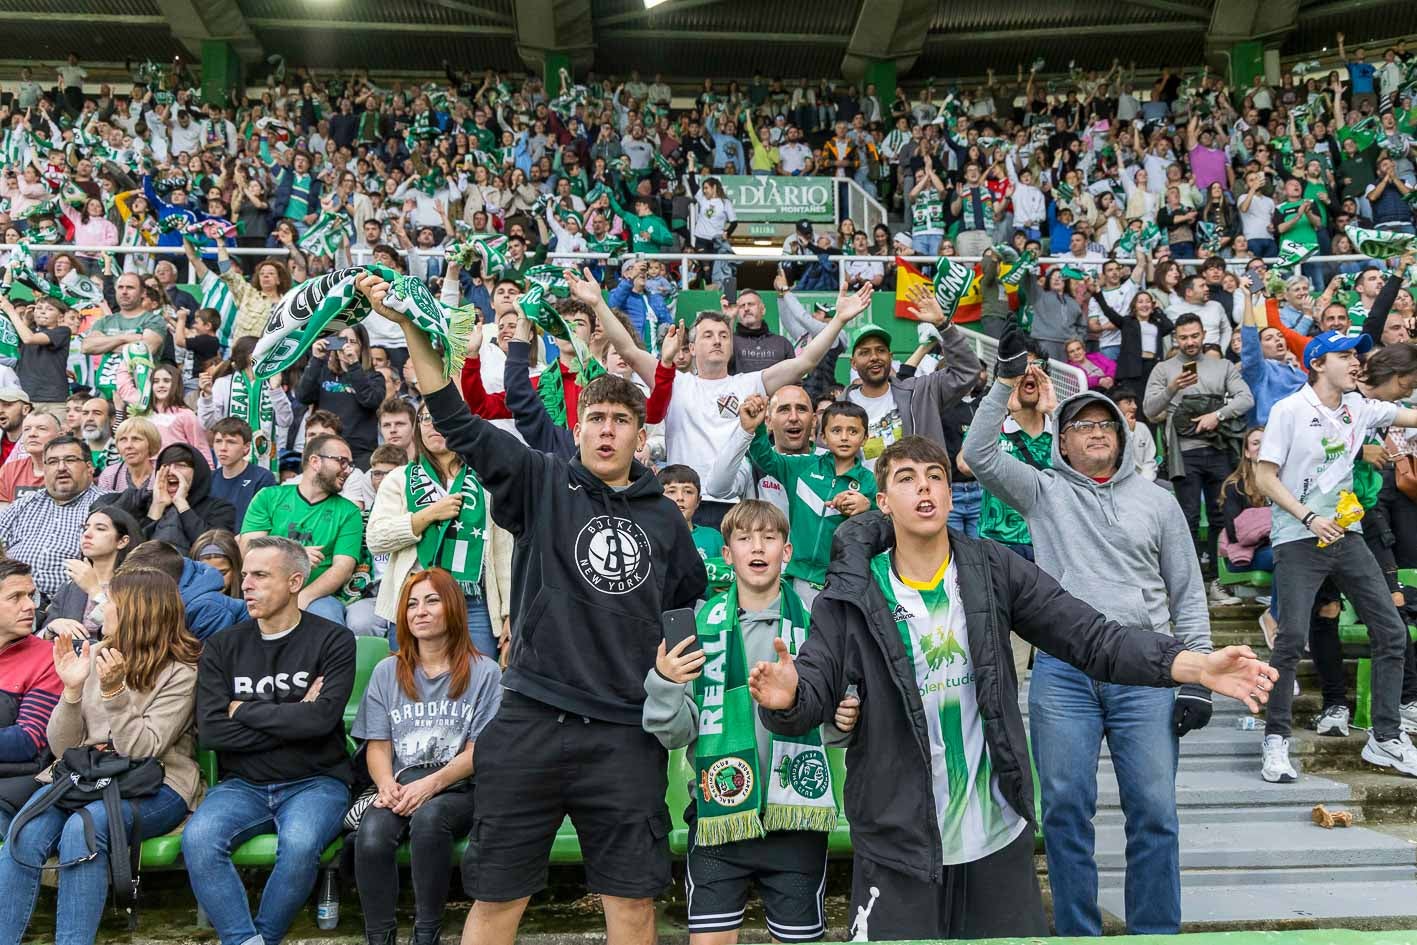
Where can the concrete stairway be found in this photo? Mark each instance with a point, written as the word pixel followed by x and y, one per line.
pixel 1250 856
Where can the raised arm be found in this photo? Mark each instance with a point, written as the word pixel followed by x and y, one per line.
pixel 849 305
pixel 1008 477
pixel 586 289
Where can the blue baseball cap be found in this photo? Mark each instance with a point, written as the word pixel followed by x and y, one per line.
pixel 1331 341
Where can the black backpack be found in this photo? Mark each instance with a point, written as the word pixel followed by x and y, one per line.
pixel 87 774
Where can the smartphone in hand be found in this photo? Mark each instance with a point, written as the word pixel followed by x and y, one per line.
pixel 679 625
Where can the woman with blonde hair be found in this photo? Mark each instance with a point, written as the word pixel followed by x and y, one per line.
pixel 133 693
pixel 138 442
pixel 423 709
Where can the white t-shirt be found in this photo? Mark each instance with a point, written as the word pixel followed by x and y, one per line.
pixel 884 424
pixel 701 418
pixel 72 76
pixel 793 156
pixel 1120 300
pixel 1255 221
pixel 1314 448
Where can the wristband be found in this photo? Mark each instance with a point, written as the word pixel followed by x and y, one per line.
pixel 1308 518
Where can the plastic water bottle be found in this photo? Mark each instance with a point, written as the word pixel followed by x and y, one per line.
pixel 327 906
pixel 1245 723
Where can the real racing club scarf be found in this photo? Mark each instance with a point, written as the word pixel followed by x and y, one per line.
pixel 1380 244
pixel 535 303
pixel 728 789
pixel 456 545
pixel 251 401
pixel 138 361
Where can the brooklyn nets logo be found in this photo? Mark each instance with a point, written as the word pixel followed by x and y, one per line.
pixel 613 554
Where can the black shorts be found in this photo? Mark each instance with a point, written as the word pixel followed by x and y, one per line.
pixel 790 868
pixel 996 897
pixel 537 765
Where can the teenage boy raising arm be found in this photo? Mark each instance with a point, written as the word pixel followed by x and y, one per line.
pixel 601 553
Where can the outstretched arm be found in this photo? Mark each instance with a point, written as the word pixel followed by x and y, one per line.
pixel 848 306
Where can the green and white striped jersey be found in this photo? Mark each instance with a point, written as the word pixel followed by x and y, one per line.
pixel 974 818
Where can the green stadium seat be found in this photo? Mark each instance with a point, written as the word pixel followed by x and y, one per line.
pixel 161 853
pixel 1252 578
pixel 260 852
pixel 369 652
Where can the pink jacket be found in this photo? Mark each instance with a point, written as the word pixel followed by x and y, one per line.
pixel 96 232
pixel 1097 366
pixel 1251 532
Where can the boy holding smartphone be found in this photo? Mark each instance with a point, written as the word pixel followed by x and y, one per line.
pixel 762 804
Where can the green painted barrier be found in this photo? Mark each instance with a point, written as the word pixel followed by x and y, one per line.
pixel 1309 937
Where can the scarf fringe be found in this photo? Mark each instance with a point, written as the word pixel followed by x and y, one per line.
pixel 800 817
pixel 729 828
pixel 460 324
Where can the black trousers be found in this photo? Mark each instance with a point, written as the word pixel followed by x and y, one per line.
pixel 1206 470
pixel 431 830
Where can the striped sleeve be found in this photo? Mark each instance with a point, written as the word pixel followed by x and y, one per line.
pixel 31 681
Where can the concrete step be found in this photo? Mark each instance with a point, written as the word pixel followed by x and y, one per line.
pixel 1220 812
pixel 1249 846
pixel 1230 899
pixel 1199 788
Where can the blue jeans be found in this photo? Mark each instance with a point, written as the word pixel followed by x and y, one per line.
pixel 328 607
pixel 83 883
pixel 1068 715
pixel 479 627
pixel 1265 249
pixel 306 815
pixel 1112 351
pixel 965 498
pixel 926 244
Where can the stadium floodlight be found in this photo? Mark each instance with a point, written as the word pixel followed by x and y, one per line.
pixel 651 4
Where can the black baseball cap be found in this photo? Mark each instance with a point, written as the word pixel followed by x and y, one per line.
pixel 804 226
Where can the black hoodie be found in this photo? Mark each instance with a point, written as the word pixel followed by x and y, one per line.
pixel 179 529
pixel 757 348
pixel 889 792
pixel 593 568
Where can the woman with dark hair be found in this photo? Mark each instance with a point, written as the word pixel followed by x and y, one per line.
pixel 423 709
pixel 175 421
pixel 339 378
pixel 231 390
pixel 413 519
pixel 134 692
pixel 1220 212
pixel 218 549
pixel 1144 328
pixel 108 535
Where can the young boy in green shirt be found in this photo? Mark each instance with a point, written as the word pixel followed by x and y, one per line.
pixel 681 486
pixel 762 806
pixel 823 489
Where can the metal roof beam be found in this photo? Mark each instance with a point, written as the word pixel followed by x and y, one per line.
pixel 554 26
pixel 669 6
pixel 100 19
pixel 193 21
pixel 1170 6
pixel 709 36
pixel 887 29
pixel 497 16
pixel 268 23
pixel 1065 32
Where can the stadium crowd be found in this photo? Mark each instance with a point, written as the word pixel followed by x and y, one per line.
pixel 421 416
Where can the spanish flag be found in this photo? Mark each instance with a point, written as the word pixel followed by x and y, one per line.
pixel 906 278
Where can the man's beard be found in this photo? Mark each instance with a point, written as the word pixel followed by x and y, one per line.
pixel 92 435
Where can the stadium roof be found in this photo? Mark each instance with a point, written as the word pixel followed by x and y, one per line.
pixel 689 39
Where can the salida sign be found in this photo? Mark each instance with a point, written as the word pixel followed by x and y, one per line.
pixel 782 199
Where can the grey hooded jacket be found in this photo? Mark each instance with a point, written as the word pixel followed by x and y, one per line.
pixel 1122 545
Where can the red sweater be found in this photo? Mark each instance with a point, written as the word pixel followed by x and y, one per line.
pixel 27 675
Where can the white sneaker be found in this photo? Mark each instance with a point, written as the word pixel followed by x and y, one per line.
pixel 1277 769
pixel 1398 753
pixel 1264 600
pixel 1216 595
pixel 1409 717
pixel 1334 721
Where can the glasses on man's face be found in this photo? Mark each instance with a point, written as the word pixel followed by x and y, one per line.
pixel 53 462
pixel 344 461
pixel 1092 426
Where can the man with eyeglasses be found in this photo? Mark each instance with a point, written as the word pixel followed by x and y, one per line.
pixel 1117 541
pixel 311 512
pixel 43 527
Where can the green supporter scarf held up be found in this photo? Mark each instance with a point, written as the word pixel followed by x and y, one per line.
pixel 251 401
pixel 460 554
pixel 728 791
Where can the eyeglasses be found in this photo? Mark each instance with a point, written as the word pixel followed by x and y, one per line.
pixel 344 461
pixel 54 461
pixel 424 418
pixel 1090 426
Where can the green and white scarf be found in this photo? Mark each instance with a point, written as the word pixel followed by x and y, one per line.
pixel 462 556
pixel 9 339
pixel 329 302
pixel 1380 244
pixel 138 361
pixel 251 401
pixel 1026 264
pixel 546 283
pixel 216 295
pixel 952 282
pixel 327 235
pixel 728 791
pixel 79 291
pixel 1292 253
